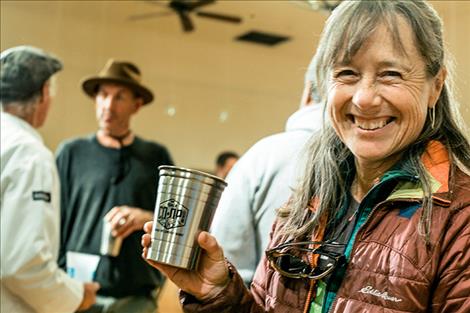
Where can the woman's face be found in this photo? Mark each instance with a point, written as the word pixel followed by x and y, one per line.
pixel 378 102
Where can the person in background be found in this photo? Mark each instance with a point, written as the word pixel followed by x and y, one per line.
pixel 381 219
pixel 111 177
pixel 31 281
pixel 224 163
pixel 261 182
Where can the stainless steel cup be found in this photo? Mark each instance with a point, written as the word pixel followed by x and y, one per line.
pixel 110 245
pixel 185 206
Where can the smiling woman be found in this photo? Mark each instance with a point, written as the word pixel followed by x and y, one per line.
pixel 387 67
pixel 379 101
pixel 381 219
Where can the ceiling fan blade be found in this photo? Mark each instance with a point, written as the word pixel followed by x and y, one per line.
pixel 188 5
pixel 200 3
pixel 222 17
pixel 144 16
pixel 185 21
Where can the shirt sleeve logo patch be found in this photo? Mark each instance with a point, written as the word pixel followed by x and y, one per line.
pixel 41 196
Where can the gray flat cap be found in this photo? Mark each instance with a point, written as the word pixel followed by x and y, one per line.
pixel 24 70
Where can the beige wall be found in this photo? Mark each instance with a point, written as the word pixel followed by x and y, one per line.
pixel 456 18
pixel 200 74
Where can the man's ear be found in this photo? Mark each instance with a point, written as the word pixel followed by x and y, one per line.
pixel 139 102
pixel 306 95
pixel 437 86
pixel 45 92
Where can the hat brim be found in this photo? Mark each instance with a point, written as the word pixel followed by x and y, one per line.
pixel 90 87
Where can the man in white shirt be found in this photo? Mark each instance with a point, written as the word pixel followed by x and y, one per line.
pixel 31 281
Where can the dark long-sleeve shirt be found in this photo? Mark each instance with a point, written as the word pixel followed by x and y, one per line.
pixel 94 179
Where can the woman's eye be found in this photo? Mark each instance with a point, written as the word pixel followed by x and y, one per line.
pixel 391 74
pixel 345 73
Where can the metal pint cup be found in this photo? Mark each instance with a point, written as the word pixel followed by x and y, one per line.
pixel 185 206
pixel 110 245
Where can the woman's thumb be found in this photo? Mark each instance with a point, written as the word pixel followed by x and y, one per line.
pixel 209 243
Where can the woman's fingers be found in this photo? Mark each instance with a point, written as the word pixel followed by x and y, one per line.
pixel 211 276
pixel 167 270
pixel 148 227
pixel 146 240
pixel 209 243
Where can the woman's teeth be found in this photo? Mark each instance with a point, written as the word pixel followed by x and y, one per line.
pixel 372 124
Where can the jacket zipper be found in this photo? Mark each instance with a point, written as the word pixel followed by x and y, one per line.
pixel 309 296
pixel 334 302
pixel 359 232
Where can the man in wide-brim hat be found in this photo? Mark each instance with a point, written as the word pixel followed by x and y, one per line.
pixel 121 73
pixel 110 177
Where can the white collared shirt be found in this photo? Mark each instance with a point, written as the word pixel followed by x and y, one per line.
pixel 31 281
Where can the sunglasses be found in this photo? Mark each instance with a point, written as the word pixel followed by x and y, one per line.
pixel 290 265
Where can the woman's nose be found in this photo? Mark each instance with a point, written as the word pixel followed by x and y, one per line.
pixel 366 95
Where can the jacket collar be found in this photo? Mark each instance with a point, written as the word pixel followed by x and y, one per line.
pixel 21 124
pixel 436 161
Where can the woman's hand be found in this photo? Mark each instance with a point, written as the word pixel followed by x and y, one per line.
pixel 204 283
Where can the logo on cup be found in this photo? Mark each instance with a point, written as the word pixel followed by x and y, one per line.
pixel 172 214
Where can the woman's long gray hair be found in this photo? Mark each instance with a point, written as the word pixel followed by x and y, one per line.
pixel 329 160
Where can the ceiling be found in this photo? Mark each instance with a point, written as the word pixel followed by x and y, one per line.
pixel 272 16
pixel 291 18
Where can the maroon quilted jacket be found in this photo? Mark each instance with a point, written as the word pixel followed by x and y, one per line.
pixel 391 269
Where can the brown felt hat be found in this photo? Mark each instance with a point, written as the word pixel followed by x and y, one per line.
pixel 117 72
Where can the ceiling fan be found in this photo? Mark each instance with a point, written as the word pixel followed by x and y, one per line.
pixel 183 8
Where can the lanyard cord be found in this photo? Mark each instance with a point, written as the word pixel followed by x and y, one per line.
pixel 122 170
